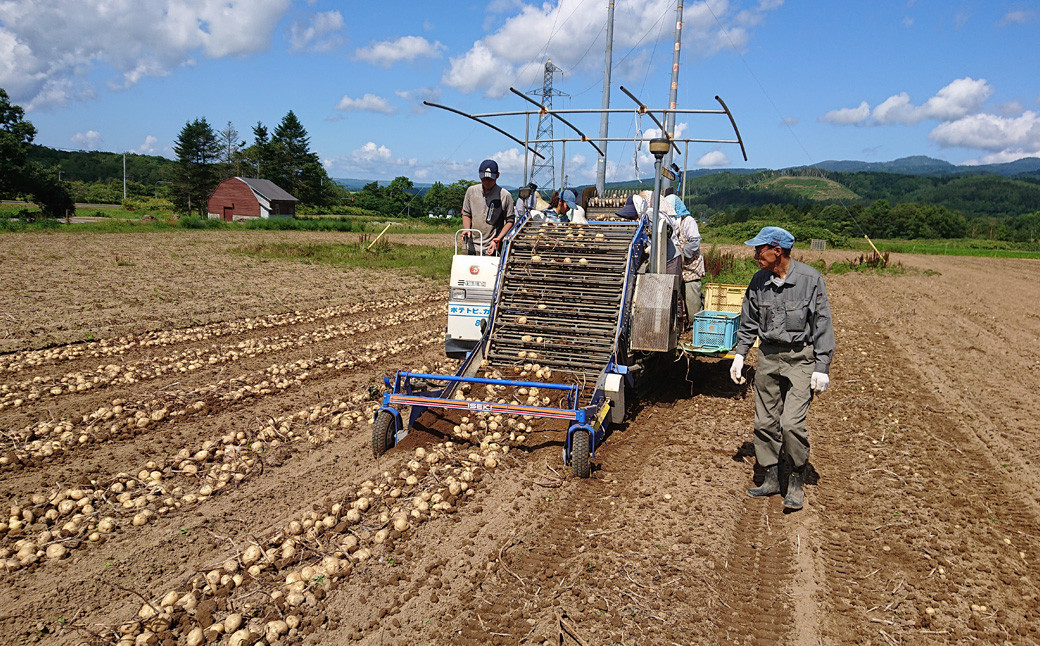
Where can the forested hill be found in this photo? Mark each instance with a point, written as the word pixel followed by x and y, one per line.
pixel 96 166
pixel 972 195
pixel 922 165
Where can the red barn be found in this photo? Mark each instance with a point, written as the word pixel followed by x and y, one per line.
pixel 240 198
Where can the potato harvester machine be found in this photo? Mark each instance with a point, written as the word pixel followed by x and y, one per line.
pixel 585 308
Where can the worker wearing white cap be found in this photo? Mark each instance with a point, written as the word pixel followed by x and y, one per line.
pixel 786 307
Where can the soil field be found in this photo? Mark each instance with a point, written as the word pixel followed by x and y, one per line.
pixel 186 459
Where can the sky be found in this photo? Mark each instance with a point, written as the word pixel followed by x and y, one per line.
pixel 805 81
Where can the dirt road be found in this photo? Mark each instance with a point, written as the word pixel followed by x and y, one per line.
pixel 186 445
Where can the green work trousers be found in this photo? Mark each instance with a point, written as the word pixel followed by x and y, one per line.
pixel 692 299
pixel 782 398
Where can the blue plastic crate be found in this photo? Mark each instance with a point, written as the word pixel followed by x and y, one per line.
pixel 715 329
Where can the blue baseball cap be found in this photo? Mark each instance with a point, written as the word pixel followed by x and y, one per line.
pixel 488 168
pixel 772 236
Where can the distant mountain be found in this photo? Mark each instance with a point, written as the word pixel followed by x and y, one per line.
pixel 922 165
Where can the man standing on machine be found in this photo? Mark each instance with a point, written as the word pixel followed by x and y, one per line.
pixel 489 209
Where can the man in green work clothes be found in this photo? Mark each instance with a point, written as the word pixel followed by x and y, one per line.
pixel 786 307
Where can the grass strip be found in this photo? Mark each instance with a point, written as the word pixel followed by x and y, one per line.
pixel 429 262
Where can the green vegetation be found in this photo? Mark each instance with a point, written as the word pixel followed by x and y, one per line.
pixel 803 230
pixel 429 262
pixel 727 267
pixel 818 189
pixel 20 176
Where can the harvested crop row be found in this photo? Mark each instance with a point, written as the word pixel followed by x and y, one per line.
pixel 188 477
pixel 16 395
pixel 19 361
pixel 298 566
pixel 46 439
pixel 173 482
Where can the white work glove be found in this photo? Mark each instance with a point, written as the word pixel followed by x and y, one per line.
pixel 819 382
pixel 738 365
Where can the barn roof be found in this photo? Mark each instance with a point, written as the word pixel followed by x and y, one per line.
pixel 268 189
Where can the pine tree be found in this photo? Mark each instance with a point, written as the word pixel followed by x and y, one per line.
pixel 297 169
pixel 197 151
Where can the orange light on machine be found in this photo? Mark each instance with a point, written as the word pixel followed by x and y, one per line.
pixel 474 269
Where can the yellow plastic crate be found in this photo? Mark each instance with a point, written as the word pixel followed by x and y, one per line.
pixel 719 297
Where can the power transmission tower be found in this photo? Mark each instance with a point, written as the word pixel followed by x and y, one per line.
pixel 543 170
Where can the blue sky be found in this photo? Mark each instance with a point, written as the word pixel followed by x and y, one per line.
pixel 806 81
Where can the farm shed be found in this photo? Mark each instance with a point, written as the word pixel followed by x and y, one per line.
pixel 239 198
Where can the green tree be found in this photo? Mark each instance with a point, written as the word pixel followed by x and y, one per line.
pixel 258 156
pixel 296 169
pixel 454 194
pixel 435 198
pixel 16 135
pixel 197 151
pixel 20 176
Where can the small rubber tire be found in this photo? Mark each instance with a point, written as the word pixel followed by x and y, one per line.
pixel 580 464
pixel 384 433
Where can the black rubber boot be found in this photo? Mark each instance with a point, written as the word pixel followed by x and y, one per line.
pixel 795 495
pixel 770 486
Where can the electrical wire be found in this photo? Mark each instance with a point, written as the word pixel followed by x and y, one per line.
pixel 784 120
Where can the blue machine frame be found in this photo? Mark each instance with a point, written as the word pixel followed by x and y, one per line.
pixel 593 419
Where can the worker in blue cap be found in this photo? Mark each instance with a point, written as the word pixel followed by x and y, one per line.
pixel 786 307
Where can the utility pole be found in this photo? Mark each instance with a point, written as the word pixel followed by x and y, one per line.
pixel 544 172
pixel 601 168
pixel 124 176
pixel 669 120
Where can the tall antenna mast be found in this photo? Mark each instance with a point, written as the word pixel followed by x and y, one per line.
pixel 543 171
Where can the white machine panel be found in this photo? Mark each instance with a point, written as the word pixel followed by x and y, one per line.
pixel 471 291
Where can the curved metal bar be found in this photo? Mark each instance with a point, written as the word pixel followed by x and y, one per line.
pixel 489 125
pixel 733 121
pixel 544 110
pixel 645 110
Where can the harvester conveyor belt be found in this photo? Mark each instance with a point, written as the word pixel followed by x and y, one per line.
pixel 560 298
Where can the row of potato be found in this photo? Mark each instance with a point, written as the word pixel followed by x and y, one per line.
pixel 298 566
pixel 18 361
pixel 14 395
pixel 49 525
pixel 45 439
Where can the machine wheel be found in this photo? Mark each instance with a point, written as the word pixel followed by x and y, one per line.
pixel 580 454
pixel 384 433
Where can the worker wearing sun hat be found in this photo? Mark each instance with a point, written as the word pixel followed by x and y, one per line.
pixel 488 208
pixel 786 307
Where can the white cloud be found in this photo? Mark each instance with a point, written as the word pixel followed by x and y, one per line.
pixel 323 34
pixel 1004 137
pixel 367 103
pixel 789 122
pixel 960 98
pixel 568 30
pixel 714 159
pixel 406 48
pixel 88 140
pixel 848 116
pixel 1016 18
pixel 373 160
pixel 50 48
pixel 148 147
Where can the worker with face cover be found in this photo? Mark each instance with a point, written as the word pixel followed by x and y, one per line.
pixel 786 307
pixel 686 239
